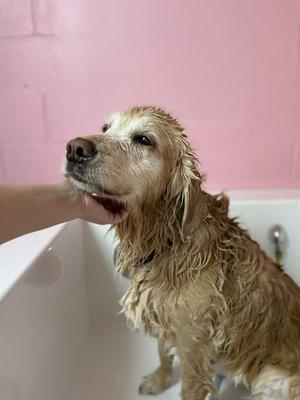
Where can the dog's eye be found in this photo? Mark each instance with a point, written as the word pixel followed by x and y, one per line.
pixel 104 128
pixel 143 139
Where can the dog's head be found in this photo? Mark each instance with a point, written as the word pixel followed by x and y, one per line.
pixel 141 156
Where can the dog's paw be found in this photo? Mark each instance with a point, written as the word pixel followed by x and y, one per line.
pixel 156 382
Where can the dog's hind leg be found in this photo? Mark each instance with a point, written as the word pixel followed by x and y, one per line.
pixel 276 384
pixel 294 387
pixel 161 378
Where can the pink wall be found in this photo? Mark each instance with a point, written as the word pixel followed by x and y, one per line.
pixel 229 69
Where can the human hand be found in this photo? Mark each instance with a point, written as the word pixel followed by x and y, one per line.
pixel 89 209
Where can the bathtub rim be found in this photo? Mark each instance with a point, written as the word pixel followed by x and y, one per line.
pixel 35 243
pixel 32 246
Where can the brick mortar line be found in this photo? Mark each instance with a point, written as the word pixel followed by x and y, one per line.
pixel 28 36
pixel 35 31
pixel 33 17
pixel 14 145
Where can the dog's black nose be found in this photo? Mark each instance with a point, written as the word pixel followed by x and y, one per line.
pixel 80 149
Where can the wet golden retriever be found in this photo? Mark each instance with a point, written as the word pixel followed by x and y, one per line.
pixel 199 284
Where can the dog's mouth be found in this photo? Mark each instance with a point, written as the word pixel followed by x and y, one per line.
pixel 102 195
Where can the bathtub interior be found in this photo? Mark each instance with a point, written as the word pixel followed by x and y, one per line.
pixel 61 334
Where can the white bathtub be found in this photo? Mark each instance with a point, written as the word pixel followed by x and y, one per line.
pixel 61 337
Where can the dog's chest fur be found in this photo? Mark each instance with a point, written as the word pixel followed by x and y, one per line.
pixel 159 305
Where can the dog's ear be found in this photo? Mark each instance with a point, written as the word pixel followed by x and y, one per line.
pixel 186 194
pixel 193 207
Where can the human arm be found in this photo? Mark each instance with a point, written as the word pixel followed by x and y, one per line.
pixel 27 208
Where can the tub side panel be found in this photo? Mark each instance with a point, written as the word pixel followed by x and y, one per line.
pixel 106 287
pixel 44 324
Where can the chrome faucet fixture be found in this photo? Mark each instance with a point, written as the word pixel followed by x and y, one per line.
pixel 278 237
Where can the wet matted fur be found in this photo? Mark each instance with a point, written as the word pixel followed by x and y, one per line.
pixel 199 283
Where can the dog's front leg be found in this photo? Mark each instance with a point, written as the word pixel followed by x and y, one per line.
pixel 160 379
pixel 196 378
